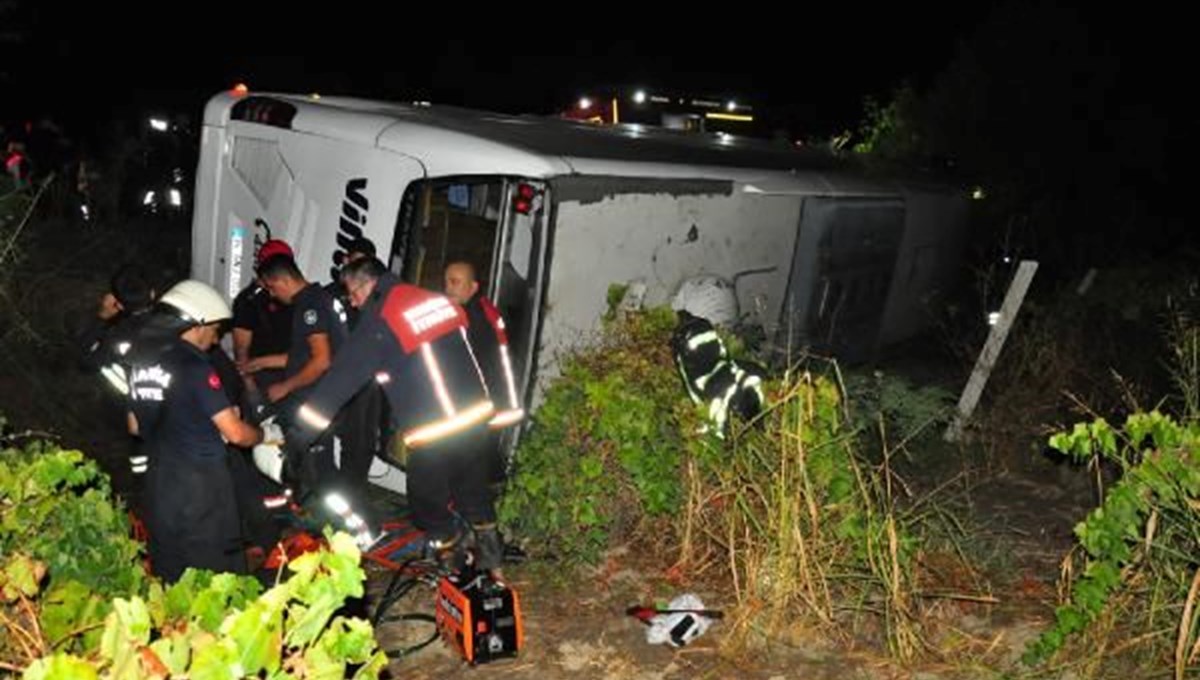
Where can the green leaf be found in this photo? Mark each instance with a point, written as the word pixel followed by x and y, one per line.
pixel 372 668
pixel 208 609
pixel 1138 427
pixel 344 574
pixel 174 653
pixel 68 606
pixel 321 666
pixel 156 603
pixel 126 630
pixel 218 661
pixel 258 634
pixel 1061 442
pixel 1103 433
pixel 590 467
pixel 342 543
pixel 178 597
pixel 348 640
pixel 308 622
pixel 304 568
pixel 21 575
pixel 60 667
pixel 1070 619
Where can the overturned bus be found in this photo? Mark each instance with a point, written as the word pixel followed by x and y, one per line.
pixel 552 212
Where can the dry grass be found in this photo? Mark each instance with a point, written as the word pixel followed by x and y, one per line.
pixel 806 533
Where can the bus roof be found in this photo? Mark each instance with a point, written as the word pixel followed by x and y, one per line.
pixel 455 141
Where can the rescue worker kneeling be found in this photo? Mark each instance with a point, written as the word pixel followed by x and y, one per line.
pixel 180 410
pixel 413 342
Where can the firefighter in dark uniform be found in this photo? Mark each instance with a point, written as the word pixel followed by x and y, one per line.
pixel 130 294
pixel 318 332
pixel 359 249
pixel 262 326
pixel 318 329
pixel 413 342
pixel 178 406
pixel 489 339
pixel 361 425
pixel 106 342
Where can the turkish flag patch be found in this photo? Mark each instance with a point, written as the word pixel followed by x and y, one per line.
pixel 214 380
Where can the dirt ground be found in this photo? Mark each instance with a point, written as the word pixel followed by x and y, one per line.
pixel 576 626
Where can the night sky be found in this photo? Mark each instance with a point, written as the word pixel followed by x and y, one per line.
pixel 805 67
pixel 808 66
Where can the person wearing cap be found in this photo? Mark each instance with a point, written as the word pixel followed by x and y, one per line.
pixel 262 326
pixel 178 407
pixel 318 331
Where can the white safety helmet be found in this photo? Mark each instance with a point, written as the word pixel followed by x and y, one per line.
pixel 197 303
pixel 708 297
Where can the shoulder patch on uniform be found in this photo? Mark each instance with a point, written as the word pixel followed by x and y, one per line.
pixel 417 316
pixel 310 317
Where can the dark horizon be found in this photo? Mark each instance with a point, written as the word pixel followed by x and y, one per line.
pixel 812 74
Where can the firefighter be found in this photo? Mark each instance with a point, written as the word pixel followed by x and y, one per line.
pixel 178 407
pixel 318 329
pixel 361 425
pixel 107 340
pixel 489 339
pixel 358 249
pixel 130 294
pixel 318 332
pixel 721 384
pixel 413 342
pixel 262 326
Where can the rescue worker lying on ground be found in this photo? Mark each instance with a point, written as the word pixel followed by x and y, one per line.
pixel 178 407
pixel 413 342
